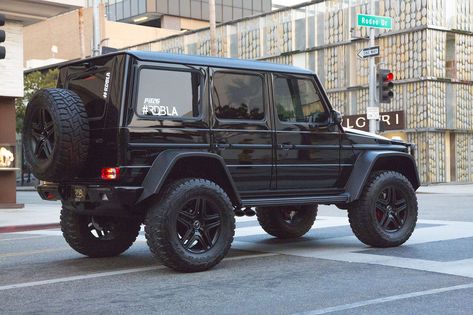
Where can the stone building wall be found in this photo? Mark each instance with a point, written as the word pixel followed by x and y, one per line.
pixel 429 50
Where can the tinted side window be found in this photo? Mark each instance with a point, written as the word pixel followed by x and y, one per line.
pixel 168 93
pixel 91 89
pixel 297 101
pixel 238 96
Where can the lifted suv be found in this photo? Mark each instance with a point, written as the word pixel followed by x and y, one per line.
pixel 185 143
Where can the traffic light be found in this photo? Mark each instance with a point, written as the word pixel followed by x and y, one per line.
pixel 2 37
pixel 385 85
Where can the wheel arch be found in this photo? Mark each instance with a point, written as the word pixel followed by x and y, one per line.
pixel 175 164
pixel 371 161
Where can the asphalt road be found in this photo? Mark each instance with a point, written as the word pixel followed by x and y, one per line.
pixel 326 272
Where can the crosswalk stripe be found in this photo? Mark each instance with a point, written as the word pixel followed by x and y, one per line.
pixel 110 273
pixel 351 306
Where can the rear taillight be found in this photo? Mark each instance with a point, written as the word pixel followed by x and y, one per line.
pixel 110 173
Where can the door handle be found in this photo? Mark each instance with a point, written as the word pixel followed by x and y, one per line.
pixel 287 146
pixel 222 145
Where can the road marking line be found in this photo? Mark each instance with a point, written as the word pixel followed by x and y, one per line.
pixel 108 274
pixel 32 252
pixel 386 299
pixel 22 238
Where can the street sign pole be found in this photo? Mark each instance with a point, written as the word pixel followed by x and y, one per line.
pixel 96 29
pixel 373 122
pixel 372 21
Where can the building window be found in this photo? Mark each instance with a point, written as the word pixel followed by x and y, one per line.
pixel 238 96
pixel 450 59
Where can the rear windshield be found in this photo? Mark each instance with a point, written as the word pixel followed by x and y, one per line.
pixel 92 87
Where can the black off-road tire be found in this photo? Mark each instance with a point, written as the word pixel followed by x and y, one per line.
pixel 77 233
pixel 161 225
pixel 56 123
pixel 364 214
pixel 275 220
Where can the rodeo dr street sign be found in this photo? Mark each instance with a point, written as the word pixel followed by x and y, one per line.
pixel 375 21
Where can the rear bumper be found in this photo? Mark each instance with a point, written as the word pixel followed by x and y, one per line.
pixel 93 198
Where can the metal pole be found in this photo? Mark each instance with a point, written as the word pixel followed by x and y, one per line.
pixel 213 31
pixel 372 77
pixel 81 33
pixel 96 37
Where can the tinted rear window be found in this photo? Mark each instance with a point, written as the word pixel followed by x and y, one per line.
pixel 169 93
pixel 92 90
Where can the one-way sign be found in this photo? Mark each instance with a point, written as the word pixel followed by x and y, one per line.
pixel 369 52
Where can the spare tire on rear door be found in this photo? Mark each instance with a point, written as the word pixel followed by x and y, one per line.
pixel 55 134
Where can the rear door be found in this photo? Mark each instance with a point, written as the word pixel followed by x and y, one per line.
pixel 241 128
pixel 91 82
pixel 307 154
pixel 169 112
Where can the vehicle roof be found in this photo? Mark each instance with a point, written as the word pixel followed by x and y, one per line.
pixel 210 61
pixel 216 62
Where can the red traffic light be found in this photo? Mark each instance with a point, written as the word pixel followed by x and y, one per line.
pixel 2 37
pixel 389 76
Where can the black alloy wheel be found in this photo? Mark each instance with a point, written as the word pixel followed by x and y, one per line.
pixel 198 225
pixel 291 216
pixel 43 136
pixel 56 135
pixel 98 236
pixel 391 209
pixel 102 229
pixel 385 215
pixel 191 227
pixel 288 221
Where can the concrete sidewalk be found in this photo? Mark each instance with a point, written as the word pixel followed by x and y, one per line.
pixel 446 188
pixel 36 214
pixel 40 214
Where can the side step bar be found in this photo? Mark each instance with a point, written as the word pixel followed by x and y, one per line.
pixel 286 201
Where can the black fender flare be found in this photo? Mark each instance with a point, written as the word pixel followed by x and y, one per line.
pixel 163 165
pixel 366 162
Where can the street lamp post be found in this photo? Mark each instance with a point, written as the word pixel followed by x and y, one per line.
pixel 213 31
pixel 373 123
pixel 96 34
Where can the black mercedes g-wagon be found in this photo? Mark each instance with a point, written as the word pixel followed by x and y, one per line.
pixel 183 144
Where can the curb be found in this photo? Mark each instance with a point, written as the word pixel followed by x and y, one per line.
pixel 25 188
pixel 31 227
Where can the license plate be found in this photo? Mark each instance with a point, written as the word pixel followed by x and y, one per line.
pixel 80 193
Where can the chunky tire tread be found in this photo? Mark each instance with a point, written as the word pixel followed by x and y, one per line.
pixel 362 221
pixel 75 232
pixel 72 131
pixel 270 220
pixel 160 240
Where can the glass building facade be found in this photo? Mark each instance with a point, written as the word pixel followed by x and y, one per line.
pixel 429 50
pixel 226 10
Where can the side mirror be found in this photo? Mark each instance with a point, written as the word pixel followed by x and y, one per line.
pixel 337 117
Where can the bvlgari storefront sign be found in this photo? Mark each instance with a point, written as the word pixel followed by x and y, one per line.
pixel 388 121
pixel 7 157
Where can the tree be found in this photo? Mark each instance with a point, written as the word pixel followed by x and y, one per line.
pixel 33 82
